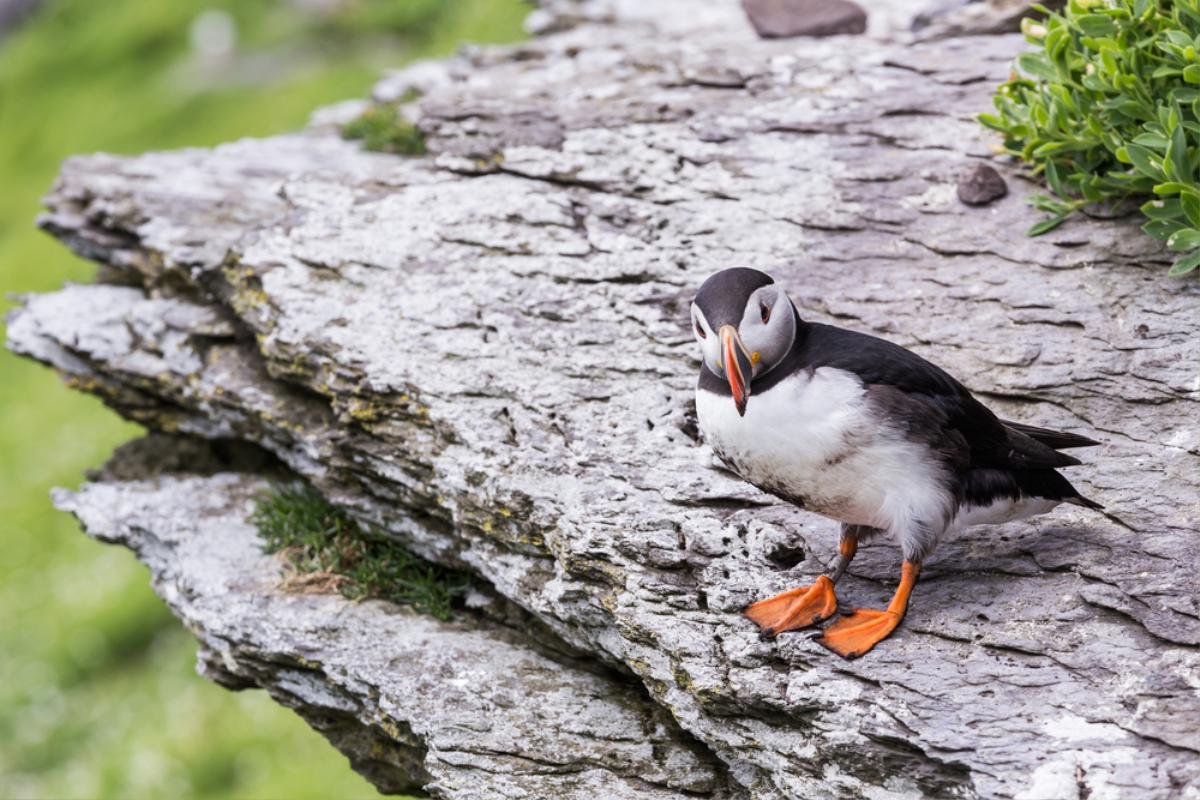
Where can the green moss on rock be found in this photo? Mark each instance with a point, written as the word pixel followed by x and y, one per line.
pixel 382 128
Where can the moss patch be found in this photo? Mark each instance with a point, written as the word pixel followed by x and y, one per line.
pixel 326 550
pixel 384 129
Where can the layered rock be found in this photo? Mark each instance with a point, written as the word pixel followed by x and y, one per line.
pixel 469 708
pixel 485 352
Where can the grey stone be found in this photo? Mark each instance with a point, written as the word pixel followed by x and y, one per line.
pixel 977 17
pixel 981 184
pixel 486 353
pixel 780 19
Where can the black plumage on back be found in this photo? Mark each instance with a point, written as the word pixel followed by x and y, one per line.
pixel 992 442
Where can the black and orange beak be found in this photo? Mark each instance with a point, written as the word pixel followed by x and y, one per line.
pixel 738 366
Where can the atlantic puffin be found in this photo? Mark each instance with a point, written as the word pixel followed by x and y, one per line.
pixel 865 432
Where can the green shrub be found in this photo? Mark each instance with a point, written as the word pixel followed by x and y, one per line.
pixel 384 129
pixel 1108 110
pixel 327 550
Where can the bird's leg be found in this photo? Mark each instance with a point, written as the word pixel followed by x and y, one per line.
pixel 863 628
pixel 807 605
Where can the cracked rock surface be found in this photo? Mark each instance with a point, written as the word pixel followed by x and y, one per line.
pixel 469 708
pixel 485 352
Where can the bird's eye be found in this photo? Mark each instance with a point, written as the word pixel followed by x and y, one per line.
pixel 766 312
pixel 700 331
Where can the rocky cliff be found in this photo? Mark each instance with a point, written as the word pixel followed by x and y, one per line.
pixel 484 351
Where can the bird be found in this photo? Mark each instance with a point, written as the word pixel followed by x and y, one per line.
pixel 863 431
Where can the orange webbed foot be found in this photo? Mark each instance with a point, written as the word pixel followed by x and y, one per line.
pixel 859 631
pixel 863 628
pixel 794 609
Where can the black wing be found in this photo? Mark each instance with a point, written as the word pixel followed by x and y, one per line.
pixel 991 443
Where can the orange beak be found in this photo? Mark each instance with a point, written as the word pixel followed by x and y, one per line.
pixel 737 366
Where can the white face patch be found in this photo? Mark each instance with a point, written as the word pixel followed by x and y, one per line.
pixel 768 327
pixel 814 438
pixel 767 330
pixel 710 344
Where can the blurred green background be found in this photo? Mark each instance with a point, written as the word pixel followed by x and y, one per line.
pixel 98 697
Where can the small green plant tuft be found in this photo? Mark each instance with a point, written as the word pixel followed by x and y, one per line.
pixel 1108 110
pixel 384 129
pixel 326 550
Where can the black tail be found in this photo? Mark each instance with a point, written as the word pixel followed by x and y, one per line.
pixel 1050 484
pixel 1080 500
pixel 1056 439
pixel 1046 483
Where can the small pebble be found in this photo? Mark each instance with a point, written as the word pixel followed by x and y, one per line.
pixel 980 185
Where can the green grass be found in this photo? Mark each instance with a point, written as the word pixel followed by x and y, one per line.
pixel 382 129
pixel 325 549
pixel 98 697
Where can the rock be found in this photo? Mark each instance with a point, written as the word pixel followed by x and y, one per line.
pixel 485 352
pixel 466 708
pixel 780 19
pixel 980 184
pixel 977 17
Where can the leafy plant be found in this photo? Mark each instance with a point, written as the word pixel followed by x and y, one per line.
pixel 327 550
pixel 1108 110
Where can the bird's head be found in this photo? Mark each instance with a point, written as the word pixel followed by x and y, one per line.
pixel 745 325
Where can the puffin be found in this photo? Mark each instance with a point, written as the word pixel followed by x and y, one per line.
pixel 862 431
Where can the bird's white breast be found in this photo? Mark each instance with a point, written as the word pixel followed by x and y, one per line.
pixel 814 436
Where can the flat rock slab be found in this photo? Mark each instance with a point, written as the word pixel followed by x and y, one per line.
pixel 485 352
